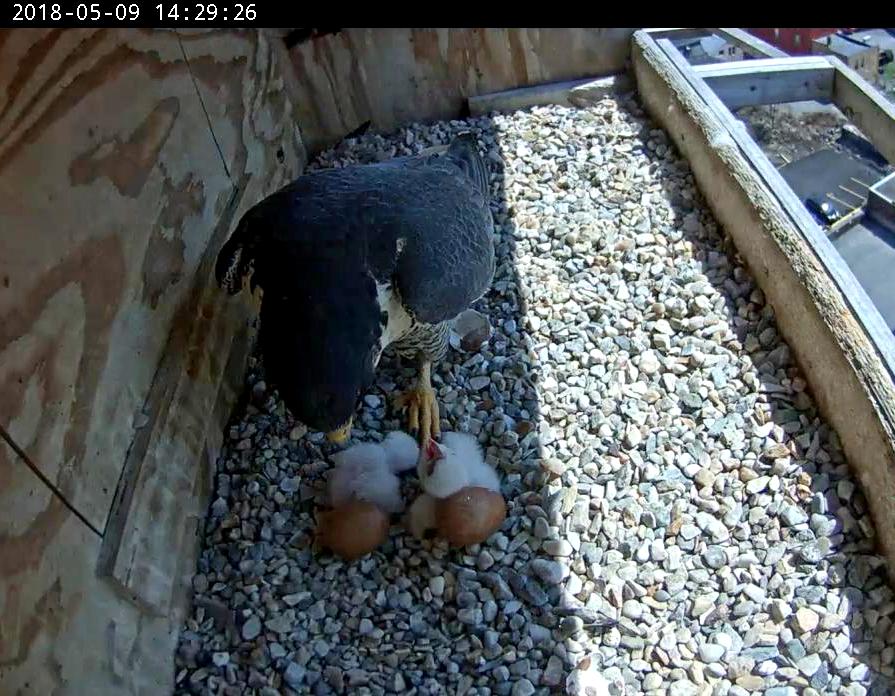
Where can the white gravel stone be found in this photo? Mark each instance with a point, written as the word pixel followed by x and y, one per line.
pixel 632 609
pixel 633 436
pixel 649 363
pixel 710 652
pixel 806 620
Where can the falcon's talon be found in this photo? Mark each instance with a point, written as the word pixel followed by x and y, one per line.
pixel 341 435
pixel 422 406
pixel 422 411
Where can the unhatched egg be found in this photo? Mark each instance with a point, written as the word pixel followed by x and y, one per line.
pixel 470 515
pixel 353 529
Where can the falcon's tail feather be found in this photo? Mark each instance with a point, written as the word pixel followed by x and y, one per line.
pixel 237 257
pixel 464 152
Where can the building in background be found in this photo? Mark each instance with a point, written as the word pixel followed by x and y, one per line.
pixel 708 49
pixel 883 39
pixel 859 56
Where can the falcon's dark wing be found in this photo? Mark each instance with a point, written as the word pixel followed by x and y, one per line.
pixel 422 223
pixel 448 260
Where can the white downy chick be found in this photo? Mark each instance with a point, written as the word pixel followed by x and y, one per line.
pixel 363 471
pixel 456 463
pixel 466 448
pixel 440 475
pixel 401 451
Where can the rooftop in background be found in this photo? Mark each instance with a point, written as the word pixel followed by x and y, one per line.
pixel 882 38
pixel 866 241
pixel 868 247
pixel 837 177
pixel 795 41
pixel 841 45
pixel 881 202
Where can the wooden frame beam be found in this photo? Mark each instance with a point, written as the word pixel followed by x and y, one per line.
pixel 523 97
pixel 749 44
pixel 838 337
pixel 779 78
pixel 863 308
pixel 862 103
pixel 770 80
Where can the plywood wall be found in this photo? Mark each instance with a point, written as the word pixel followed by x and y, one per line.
pixel 391 76
pixel 125 159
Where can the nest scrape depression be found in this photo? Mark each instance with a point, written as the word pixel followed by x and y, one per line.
pixel 680 518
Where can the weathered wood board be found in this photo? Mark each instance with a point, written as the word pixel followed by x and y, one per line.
pixel 125 159
pixel 571 93
pixel 61 630
pixel 242 88
pixel 392 76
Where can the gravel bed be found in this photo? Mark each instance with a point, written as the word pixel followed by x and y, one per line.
pixel 680 519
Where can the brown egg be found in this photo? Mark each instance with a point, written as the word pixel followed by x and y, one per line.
pixel 353 529
pixel 470 515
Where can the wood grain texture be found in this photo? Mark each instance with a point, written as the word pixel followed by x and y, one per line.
pixel 62 631
pixel 125 159
pixel 392 76
pixel 109 178
pixel 852 386
pixel 239 77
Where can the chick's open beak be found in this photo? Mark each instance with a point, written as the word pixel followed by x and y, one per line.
pixel 340 435
pixel 432 454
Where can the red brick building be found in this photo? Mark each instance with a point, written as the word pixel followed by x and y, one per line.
pixel 796 42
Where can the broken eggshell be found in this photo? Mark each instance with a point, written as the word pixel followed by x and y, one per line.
pixel 470 331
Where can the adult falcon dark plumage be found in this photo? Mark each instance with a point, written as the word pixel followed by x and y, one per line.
pixel 354 259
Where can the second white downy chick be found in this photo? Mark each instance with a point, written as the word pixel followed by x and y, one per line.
pixel 401 451
pixel 363 472
pixel 455 463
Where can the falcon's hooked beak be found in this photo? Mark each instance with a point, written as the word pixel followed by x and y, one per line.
pixel 342 434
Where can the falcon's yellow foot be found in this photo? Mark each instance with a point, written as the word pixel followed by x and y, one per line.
pixel 422 411
pixel 341 435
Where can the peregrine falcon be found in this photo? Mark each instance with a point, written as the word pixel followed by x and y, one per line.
pixel 355 259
